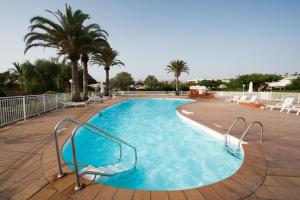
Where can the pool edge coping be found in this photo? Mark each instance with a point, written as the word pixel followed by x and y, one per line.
pixel 250 175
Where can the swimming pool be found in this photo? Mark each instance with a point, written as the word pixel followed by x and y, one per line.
pixel 172 154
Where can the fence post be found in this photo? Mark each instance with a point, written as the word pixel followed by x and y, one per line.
pixel 259 95
pixel 24 108
pixel 0 113
pixel 44 100
pixel 56 101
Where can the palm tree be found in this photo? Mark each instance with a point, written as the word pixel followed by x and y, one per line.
pixel 67 35
pixel 177 67
pixel 17 69
pixel 97 42
pixel 17 72
pixel 107 58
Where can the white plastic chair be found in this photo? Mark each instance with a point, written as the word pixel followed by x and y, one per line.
pixel 253 99
pixel 242 99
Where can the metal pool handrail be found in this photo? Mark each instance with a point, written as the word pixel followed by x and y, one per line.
pixel 114 137
pixel 56 131
pixel 232 125
pixel 88 126
pixel 247 131
pixel 78 185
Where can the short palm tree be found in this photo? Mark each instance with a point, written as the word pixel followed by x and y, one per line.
pixel 97 41
pixel 177 67
pixel 18 72
pixel 67 35
pixel 17 69
pixel 107 58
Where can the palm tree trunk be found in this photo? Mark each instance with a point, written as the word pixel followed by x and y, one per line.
pixel 75 82
pixel 85 81
pixel 107 83
pixel 177 86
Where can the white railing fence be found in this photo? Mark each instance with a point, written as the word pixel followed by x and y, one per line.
pixel 271 96
pixel 142 93
pixel 21 107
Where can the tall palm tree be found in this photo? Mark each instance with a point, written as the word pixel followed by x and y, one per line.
pixel 177 67
pixel 67 35
pixel 97 42
pixel 107 58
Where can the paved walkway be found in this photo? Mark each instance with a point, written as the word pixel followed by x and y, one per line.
pixel 28 165
pixel 281 147
pixel 22 146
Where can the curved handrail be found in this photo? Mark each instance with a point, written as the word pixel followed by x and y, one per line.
pixel 105 135
pixel 247 131
pixel 78 185
pixel 90 127
pixel 232 125
pixel 115 138
pixel 56 131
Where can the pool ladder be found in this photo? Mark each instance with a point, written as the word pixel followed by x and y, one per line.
pixel 90 170
pixel 245 131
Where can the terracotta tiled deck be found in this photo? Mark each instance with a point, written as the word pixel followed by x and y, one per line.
pixel 271 170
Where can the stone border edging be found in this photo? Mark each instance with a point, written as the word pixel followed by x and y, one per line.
pixel 247 179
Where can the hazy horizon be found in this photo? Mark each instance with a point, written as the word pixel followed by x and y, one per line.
pixel 218 39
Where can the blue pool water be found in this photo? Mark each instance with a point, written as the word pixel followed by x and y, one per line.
pixel 172 154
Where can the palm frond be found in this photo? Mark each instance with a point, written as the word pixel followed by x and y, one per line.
pixel 106 57
pixel 177 67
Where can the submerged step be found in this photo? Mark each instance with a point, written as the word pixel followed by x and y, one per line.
pixel 108 170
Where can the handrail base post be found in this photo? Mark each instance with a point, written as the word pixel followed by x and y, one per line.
pixel 60 175
pixel 79 187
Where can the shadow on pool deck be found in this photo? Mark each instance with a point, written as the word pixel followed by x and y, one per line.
pixel 271 170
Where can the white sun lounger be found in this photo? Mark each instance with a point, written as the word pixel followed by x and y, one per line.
pixel 75 104
pixel 233 99
pixel 95 98
pixel 294 109
pixel 287 103
pixel 107 97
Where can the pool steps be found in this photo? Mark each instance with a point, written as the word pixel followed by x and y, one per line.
pixel 93 173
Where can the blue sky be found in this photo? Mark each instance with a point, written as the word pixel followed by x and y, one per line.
pixel 218 39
